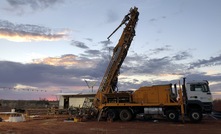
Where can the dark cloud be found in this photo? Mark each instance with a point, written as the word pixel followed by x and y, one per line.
pixel 106 42
pixel 203 76
pixel 12 73
pixel 53 73
pixel 161 49
pixel 23 5
pixel 182 55
pixel 43 75
pixel 82 67
pixel 213 61
pixel 142 64
pixel 27 32
pixel 79 44
pixel 159 66
pixel 93 52
pixel 29 73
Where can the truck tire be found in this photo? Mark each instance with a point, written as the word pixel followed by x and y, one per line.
pixel 195 115
pixel 172 115
pixel 125 115
pixel 112 114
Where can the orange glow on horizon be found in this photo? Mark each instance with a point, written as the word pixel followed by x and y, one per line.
pixel 52 98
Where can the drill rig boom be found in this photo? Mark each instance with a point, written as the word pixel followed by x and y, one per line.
pixel 110 79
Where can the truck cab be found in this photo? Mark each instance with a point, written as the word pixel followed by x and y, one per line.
pixel 198 99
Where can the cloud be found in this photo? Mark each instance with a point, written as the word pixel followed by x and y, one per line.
pixel 203 76
pixel 123 84
pixel 143 65
pixel 68 60
pixel 90 67
pixel 79 44
pixel 21 6
pixel 213 61
pixel 37 75
pixel 64 60
pixel 67 72
pixel 20 86
pixel 51 77
pixel 106 42
pixel 159 66
pixel 157 19
pixel 27 32
pixel 161 49
pixel 153 20
pixel 89 39
pixel 182 55
pixel 92 53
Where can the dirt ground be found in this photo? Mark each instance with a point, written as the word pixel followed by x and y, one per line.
pixel 55 126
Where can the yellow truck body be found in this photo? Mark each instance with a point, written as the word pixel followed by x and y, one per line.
pixel 159 94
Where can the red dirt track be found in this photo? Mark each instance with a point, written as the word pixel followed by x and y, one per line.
pixel 52 126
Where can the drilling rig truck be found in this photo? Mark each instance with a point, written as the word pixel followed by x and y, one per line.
pixel 191 100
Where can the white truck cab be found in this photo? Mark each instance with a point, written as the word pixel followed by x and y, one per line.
pixel 199 91
pixel 198 99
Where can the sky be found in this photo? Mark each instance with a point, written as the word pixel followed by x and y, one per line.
pixel 53 46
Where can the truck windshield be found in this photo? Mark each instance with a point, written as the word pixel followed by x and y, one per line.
pixel 199 87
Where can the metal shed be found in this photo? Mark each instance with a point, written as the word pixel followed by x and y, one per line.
pixel 67 100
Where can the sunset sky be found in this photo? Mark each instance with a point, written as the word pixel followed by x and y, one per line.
pixel 52 46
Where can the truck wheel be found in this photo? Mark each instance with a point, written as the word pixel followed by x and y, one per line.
pixel 125 115
pixel 172 115
pixel 112 114
pixel 195 115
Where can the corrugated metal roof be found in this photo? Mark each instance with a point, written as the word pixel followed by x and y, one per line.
pixel 67 94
